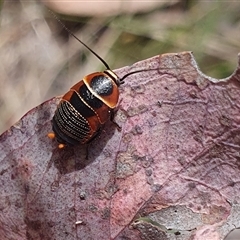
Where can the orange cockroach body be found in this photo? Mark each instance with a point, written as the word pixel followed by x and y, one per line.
pixel 86 107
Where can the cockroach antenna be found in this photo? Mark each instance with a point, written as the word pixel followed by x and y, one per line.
pixel 85 45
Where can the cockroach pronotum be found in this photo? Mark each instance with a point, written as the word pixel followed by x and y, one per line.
pixel 87 106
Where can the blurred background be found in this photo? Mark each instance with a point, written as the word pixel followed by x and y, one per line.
pixel 39 60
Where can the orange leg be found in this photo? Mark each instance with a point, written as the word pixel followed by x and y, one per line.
pixel 51 135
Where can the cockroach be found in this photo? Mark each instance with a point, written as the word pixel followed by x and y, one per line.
pixel 87 106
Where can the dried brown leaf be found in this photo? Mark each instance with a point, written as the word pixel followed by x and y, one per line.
pixel 174 165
